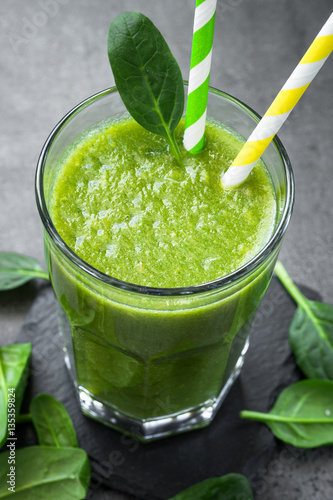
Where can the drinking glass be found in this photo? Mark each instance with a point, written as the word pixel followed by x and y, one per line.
pixel 155 361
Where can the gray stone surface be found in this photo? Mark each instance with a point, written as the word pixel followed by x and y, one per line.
pixel 53 55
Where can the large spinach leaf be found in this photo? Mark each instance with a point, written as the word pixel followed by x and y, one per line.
pixel 53 425
pixel 311 331
pixel 302 415
pixel 147 75
pixel 46 472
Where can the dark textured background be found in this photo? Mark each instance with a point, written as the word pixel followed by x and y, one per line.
pixel 48 63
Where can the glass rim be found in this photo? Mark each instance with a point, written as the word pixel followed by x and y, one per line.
pixel 218 283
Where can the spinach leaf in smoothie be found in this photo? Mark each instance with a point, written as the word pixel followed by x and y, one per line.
pixel 311 331
pixel 229 487
pixel 302 415
pixel 14 361
pixel 147 75
pixel 52 423
pixel 17 269
pixel 46 472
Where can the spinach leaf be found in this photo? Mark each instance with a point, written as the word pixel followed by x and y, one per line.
pixel 17 269
pixel 302 415
pixel 311 331
pixel 229 487
pixel 147 75
pixel 14 361
pixel 46 472
pixel 53 425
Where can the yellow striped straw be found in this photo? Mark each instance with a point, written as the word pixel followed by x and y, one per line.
pixel 281 107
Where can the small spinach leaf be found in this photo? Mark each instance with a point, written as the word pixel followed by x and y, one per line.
pixel 14 361
pixel 311 331
pixel 302 415
pixel 229 487
pixel 147 75
pixel 311 339
pixel 17 269
pixel 46 472
pixel 52 423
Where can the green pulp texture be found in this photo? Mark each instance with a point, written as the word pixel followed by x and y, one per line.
pixel 125 206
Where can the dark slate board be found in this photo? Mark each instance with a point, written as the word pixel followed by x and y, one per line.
pixel 160 469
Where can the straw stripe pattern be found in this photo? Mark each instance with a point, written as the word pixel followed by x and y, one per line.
pixel 203 32
pixel 281 107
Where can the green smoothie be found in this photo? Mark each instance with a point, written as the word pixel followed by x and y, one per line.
pixel 122 203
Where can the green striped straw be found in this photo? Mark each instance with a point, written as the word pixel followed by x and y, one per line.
pixel 203 33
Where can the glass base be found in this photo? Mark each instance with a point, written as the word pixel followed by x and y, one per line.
pixel 146 430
